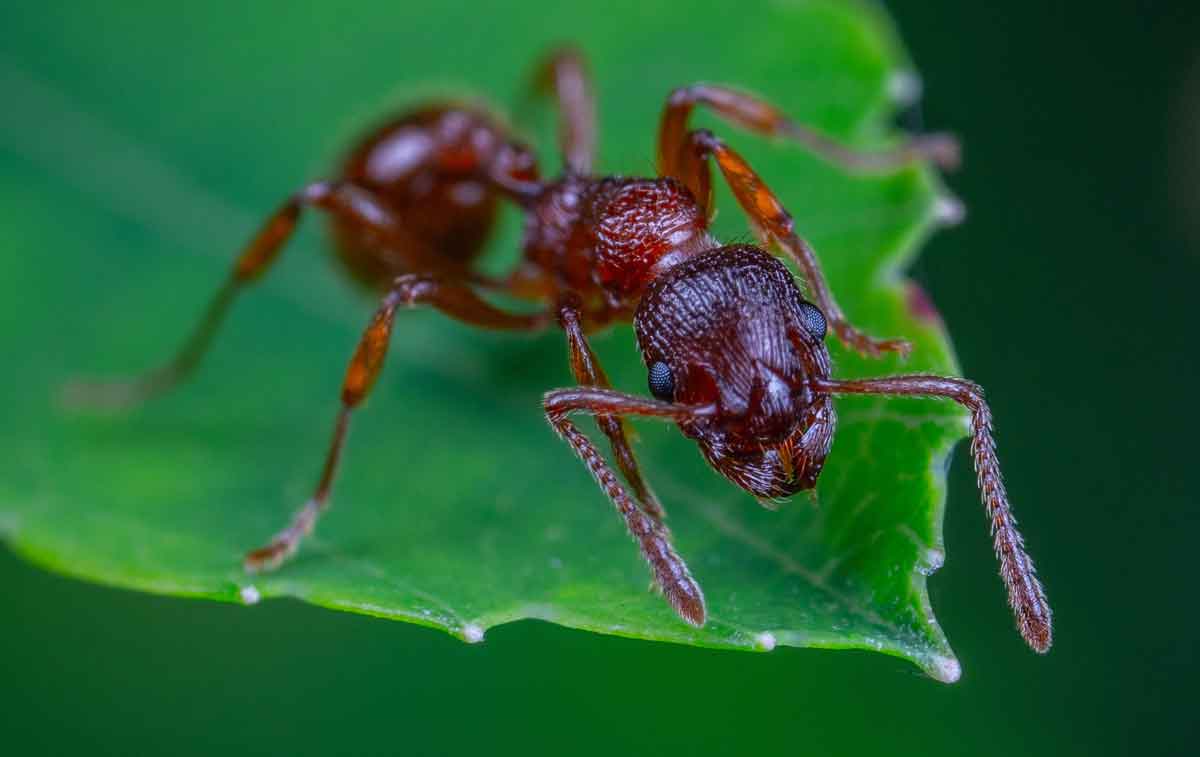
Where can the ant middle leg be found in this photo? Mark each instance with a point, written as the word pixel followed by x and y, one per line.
pixel 771 221
pixel 761 117
pixel 345 200
pixel 588 372
pixel 452 298
pixel 671 574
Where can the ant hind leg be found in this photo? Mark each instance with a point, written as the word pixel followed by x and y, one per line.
pixel 345 200
pixel 451 298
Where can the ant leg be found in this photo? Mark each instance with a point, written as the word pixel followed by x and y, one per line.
pixel 453 299
pixel 564 71
pixel 1025 594
pixel 760 117
pixel 343 199
pixel 589 372
pixel 770 220
pixel 671 574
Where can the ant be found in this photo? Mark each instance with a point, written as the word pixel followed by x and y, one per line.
pixel 735 355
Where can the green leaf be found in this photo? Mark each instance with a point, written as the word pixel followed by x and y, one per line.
pixel 137 171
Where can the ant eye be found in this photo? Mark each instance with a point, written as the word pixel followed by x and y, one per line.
pixel 662 383
pixel 814 319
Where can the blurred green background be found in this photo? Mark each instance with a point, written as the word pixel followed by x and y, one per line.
pixel 1066 293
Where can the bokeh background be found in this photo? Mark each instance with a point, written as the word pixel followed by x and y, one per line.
pixel 1068 292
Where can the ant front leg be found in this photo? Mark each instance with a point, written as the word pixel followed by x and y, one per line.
pixel 455 300
pixel 761 117
pixel 1025 594
pixel 671 574
pixel 343 199
pixel 771 221
pixel 588 372
pixel 563 72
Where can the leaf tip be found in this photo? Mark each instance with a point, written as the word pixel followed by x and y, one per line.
pixel 948 210
pixel 945 668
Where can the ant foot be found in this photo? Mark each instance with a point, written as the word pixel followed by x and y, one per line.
pixel 285 543
pixel 688 601
pixel 269 558
pixel 869 346
pixel 942 149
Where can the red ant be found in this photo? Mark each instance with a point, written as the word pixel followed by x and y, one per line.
pixel 735 354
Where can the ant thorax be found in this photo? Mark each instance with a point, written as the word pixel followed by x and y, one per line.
pixel 614 234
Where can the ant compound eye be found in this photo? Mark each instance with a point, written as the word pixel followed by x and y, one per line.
pixel 814 319
pixel 662 383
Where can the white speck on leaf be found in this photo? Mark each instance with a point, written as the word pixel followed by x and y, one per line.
pixel 949 210
pixel 931 561
pixel 472 634
pixel 249 595
pixel 765 641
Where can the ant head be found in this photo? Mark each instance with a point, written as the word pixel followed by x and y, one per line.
pixel 728 328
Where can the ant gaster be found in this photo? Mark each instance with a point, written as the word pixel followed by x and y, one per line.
pixel 735 355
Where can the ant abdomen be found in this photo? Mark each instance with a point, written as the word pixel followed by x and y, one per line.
pixel 428 167
pixel 729 328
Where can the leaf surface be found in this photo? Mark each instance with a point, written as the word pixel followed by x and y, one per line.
pixel 137 171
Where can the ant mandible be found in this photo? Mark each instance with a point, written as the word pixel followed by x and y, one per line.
pixel 735 355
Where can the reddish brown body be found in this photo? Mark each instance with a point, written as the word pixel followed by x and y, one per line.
pixel 734 354
pixel 731 327
pixel 425 168
pixel 605 239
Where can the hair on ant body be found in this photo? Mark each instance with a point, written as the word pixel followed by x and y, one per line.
pixel 735 356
